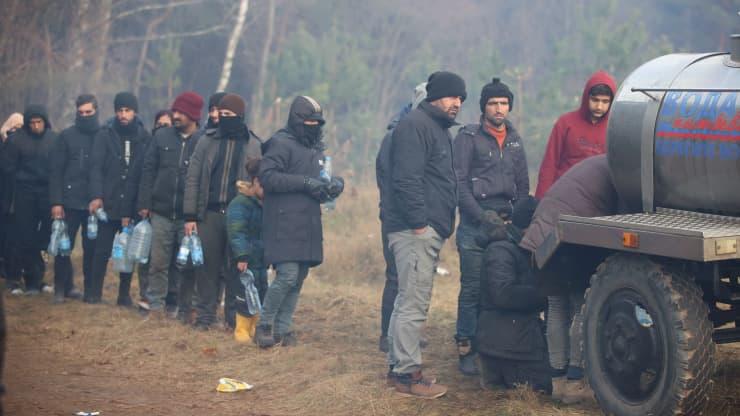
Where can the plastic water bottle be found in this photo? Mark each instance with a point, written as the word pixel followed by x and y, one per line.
pixel 65 244
pixel 251 295
pixel 121 262
pixel 101 214
pixel 141 242
pixel 325 175
pixel 92 227
pixel 184 252
pixel 56 228
pixel 196 249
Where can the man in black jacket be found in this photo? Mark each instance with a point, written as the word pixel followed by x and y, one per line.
pixel 68 192
pixel 420 215
pixel 26 164
pixel 510 335
pixel 118 151
pixel 292 233
pixel 161 193
pixel 491 169
pixel 218 161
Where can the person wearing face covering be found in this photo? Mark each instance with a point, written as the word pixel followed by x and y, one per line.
pixel 292 232
pixel 217 163
pixel 69 168
pixel 25 161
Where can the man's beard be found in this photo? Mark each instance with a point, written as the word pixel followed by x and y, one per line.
pixel 494 122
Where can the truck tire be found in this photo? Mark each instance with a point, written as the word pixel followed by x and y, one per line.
pixel 647 340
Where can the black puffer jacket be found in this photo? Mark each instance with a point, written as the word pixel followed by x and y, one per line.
pixel 510 304
pixel 383 159
pixel 424 187
pixel 165 169
pixel 70 168
pixel 486 172
pixel 112 177
pixel 291 216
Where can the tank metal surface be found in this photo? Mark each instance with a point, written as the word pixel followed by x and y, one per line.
pixel 667 288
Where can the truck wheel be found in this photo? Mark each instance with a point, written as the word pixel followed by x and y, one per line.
pixel 647 340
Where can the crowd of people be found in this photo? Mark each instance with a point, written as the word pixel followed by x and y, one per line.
pixel 256 204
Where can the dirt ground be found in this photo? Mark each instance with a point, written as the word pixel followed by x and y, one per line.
pixel 62 359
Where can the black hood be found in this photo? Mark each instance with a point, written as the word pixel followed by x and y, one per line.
pixel 35 110
pixel 305 108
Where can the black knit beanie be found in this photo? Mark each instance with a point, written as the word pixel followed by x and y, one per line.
pixel 523 211
pixel 445 84
pixel 125 99
pixel 495 88
pixel 215 99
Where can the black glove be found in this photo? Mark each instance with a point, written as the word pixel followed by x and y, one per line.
pixel 317 188
pixel 336 186
pixel 491 217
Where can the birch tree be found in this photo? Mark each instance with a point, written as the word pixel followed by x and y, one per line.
pixel 233 43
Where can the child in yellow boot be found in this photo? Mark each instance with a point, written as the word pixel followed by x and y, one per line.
pixel 244 227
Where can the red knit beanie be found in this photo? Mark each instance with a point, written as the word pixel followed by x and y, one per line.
pixel 190 104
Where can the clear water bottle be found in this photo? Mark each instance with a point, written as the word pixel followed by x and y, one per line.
pixel 65 244
pixel 184 252
pixel 121 262
pixel 92 227
pixel 251 295
pixel 56 228
pixel 101 214
pixel 325 175
pixel 141 242
pixel 196 249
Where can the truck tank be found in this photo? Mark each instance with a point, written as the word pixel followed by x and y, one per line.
pixel 673 139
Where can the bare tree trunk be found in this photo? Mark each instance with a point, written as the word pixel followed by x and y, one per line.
pixel 266 47
pixel 101 41
pixel 145 49
pixel 231 47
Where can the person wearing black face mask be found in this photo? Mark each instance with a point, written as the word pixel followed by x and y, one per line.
pixel 115 167
pixel 25 162
pixel 218 161
pixel 292 230
pixel 69 168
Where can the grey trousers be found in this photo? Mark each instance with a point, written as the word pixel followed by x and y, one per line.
pixel 564 327
pixel 163 275
pixel 282 296
pixel 416 260
pixel 212 232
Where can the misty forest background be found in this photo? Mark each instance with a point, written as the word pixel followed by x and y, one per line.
pixel 360 59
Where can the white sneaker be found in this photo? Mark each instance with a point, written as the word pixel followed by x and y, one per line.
pixel 17 292
pixel 47 289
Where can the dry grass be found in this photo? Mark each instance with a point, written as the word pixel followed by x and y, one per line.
pixel 62 359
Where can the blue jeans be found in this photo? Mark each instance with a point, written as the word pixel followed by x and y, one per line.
pixel 282 296
pixel 468 301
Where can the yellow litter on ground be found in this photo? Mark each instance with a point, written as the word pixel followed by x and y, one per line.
pixel 229 385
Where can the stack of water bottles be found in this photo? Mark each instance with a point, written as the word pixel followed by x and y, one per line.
pixel 325 175
pixel 251 295
pixel 190 248
pixel 59 242
pixel 92 223
pixel 121 261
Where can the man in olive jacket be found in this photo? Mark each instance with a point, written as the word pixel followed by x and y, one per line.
pixel 219 160
pixel 289 174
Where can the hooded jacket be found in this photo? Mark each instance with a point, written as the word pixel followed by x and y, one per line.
pixel 488 174
pixel 422 177
pixel 291 216
pixel 244 228
pixel 114 172
pixel 574 137
pixel 70 168
pixel 164 171
pixel 383 159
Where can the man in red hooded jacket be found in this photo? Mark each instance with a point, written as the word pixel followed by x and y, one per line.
pixel 579 134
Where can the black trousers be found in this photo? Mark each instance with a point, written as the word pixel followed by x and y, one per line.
pixel 63 270
pixel 103 247
pixel 31 228
pixel 390 290
pixel 508 373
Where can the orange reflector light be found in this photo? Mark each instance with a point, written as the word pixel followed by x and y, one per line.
pixel 630 240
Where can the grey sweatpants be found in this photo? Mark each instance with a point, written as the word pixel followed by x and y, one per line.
pixel 416 261
pixel 564 327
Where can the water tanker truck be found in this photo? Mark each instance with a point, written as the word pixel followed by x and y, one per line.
pixel 667 285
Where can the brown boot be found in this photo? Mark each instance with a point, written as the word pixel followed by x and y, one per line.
pixel 414 385
pixel 390 378
pixel 576 391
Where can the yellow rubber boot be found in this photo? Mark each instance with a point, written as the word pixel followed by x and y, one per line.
pixel 245 327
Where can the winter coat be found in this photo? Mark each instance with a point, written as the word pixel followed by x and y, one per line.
pixel 422 178
pixel 164 171
pixel 586 190
pixel 574 137
pixel 202 165
pixel 244 228
pixel 510 305
pixel 111 178
pixel 486 173
pixel 70 169
pixel 292 217
pixel 383 159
